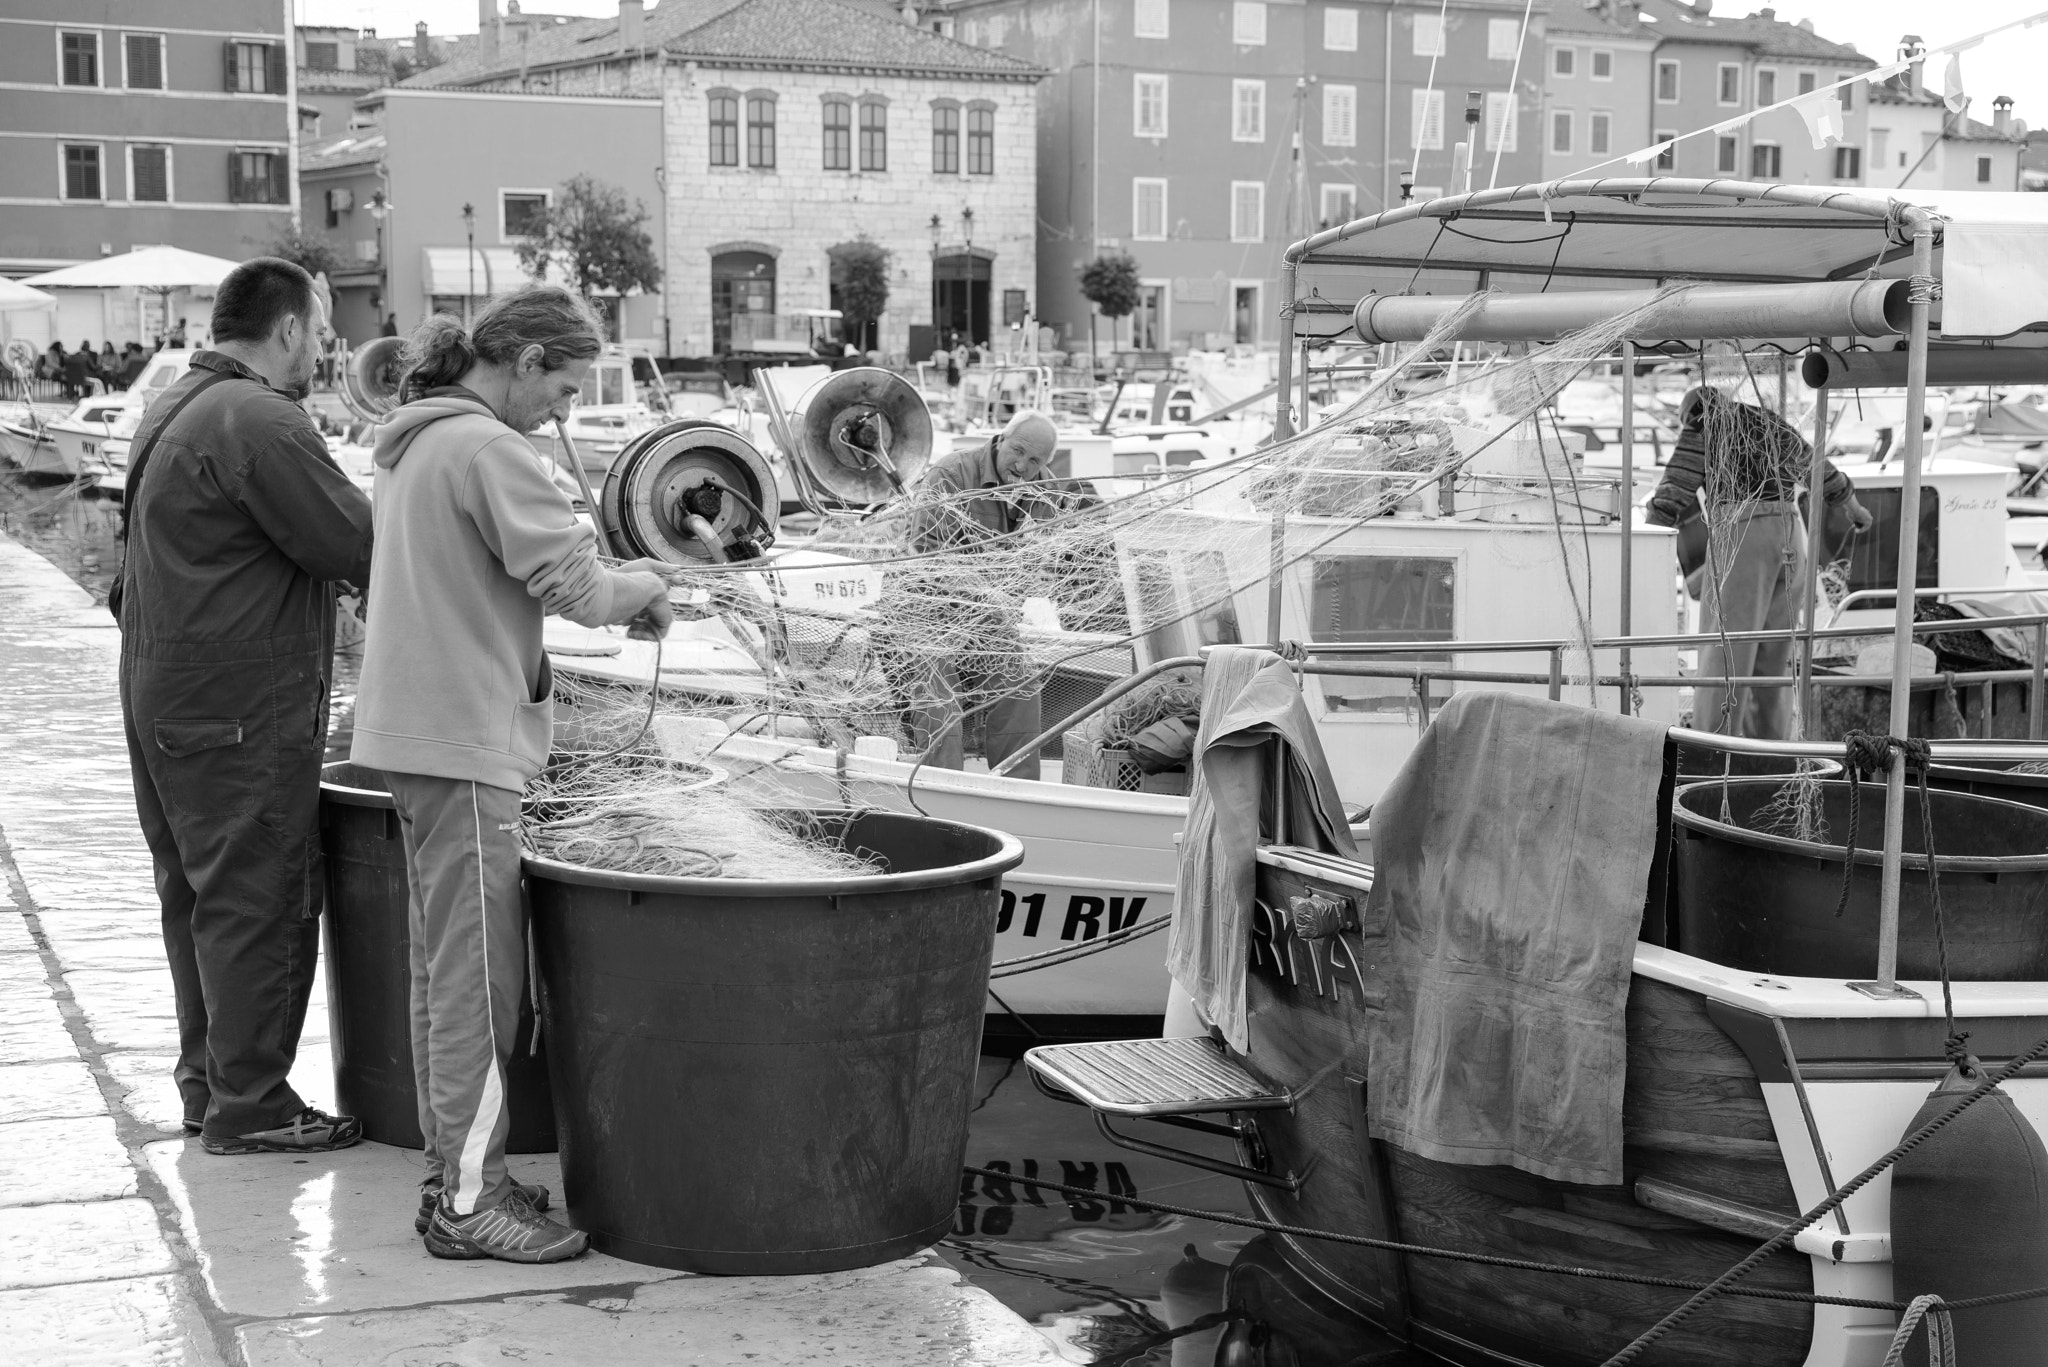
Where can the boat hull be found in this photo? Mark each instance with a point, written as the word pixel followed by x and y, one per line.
pixel 1748 1098
pixel 30 453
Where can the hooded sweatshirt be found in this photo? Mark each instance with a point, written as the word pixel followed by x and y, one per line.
pixel 474 544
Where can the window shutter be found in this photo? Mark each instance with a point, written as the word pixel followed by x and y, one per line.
pixel 227 52
pixel 236 194
pixel 280 177
pixel 279 77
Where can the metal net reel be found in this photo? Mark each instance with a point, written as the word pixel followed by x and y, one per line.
pixel 689 491
pixel 370 376
pixel 863 436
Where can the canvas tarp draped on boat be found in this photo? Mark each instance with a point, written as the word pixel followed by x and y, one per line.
pixel 1512 854
pixel 1250 701
pixel 1991 254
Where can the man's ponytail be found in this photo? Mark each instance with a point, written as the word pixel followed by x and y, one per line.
pixel 438 353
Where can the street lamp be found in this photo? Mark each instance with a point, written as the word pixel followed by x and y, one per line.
pixel 469 230
pixel 938 339
pixel 380 210
pixel 967 231
pixel 661 183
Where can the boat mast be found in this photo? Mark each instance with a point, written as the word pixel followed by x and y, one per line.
pixel 1902 614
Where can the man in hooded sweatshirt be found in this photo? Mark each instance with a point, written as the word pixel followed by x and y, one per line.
pixel 474 545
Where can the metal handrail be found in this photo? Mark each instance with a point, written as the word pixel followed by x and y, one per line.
pixel 1983 591
pixel 1339 649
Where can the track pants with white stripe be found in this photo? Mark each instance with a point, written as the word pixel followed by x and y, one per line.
pixel 468 971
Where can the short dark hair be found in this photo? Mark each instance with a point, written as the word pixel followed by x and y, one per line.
pixel 256 296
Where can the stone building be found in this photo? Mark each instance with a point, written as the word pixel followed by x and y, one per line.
pixel 795 128
pixel 1917 142
pixel 1596 84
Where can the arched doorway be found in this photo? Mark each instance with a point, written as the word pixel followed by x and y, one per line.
pixel 960 296
pixel 742 299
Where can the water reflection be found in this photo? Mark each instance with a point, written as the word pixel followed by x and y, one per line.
pixel 313 1212
pixel 1094 1273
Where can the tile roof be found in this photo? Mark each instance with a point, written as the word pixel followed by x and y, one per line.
pixel 1677 21
pixel 1898 91
pixel 1603 18
pixel 837 34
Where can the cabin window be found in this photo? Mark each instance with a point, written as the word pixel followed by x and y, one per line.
pixel 1366 598
pixel 1874 556
pixel 604 384
pixel 1180 601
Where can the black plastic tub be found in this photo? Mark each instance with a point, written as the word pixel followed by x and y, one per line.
pixel 369 976
pixel 1764 902
pixel 759 1077
pixel 1698 761
pixel 1993 778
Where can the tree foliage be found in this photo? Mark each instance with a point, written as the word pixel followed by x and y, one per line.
pixel 1110 282
pixel 595 236
pixel 863 270
pixel 312 254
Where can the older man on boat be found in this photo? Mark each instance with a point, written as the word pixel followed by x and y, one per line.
pixel 240 528
pixel 1746 465
pixel 967 500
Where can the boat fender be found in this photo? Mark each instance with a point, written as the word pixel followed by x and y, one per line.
pixel 1252 1343
pixel 1970 1218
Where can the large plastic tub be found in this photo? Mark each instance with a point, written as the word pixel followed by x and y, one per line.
pixel 369 976
pixel 760 1077
pixel 1760 900
pixel 1993 778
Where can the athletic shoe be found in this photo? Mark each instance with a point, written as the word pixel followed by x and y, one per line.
pixel 511 1231
pixel 311 1131
pixel 430 1195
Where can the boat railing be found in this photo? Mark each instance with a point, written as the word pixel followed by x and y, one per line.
pixel 1348 658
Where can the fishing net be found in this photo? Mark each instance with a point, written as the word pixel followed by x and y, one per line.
pixel 986 593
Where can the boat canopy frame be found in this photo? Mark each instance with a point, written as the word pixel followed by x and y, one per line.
pixel 1615 232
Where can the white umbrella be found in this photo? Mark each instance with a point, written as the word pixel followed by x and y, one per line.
pixel 151 268
pixel 15 297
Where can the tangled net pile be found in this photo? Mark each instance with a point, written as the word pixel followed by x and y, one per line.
pixel 959 620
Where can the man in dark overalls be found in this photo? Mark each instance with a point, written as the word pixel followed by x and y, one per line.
pixel 239 527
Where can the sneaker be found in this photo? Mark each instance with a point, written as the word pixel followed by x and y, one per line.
pixel 430 1196
pixel 511 1231
pixel 311 1131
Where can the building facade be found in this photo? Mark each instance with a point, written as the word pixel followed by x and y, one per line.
pixel 431 152
pixel 1596 85
pixel 790 131
pixel 1916 142
pixel 148 122
pixel 1709 68
pixel 1168 130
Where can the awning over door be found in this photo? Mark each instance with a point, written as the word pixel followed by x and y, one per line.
pixel 447 270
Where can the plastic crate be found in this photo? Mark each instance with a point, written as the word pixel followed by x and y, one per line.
pixel 1086 762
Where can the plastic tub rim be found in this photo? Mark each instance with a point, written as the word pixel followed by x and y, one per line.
pixel 350 795
pixel 1976 773
pixel 1009 853
pixel 1949 863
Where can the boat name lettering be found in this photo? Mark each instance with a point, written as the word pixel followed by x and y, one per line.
pixel 1319 964
pixel 840 588
pixel 1086 916
pixel 1959 504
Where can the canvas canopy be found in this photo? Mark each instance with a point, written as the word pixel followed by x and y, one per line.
pixel 1991 253
pixel 17 297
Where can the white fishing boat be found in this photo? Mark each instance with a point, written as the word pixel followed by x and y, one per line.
pixel 26 443
pixel 1781 1007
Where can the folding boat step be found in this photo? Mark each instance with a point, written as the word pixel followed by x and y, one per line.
pixel 1154 1077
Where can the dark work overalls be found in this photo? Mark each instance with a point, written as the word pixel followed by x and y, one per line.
pixel 239 526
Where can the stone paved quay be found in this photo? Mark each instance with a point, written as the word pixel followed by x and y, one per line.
pixel 122 1243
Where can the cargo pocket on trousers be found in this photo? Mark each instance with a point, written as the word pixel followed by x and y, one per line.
pixel 207 768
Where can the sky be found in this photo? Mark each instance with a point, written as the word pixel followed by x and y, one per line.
pixel 2014 64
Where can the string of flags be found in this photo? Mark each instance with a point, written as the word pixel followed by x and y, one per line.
pixel 1821 109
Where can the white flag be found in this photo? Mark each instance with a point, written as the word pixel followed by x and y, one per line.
pixel 1952 85
pixel 1822 111
pixel 1645 155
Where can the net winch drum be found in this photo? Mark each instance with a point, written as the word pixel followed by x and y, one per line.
pixel 370 376
pixel 863 436
pixel 689 492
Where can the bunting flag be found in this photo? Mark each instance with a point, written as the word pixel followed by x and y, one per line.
pixel 1825 121
pixel 1952 85
pixel 1643 156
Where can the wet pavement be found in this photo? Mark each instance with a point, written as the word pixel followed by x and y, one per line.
pixel 121 1242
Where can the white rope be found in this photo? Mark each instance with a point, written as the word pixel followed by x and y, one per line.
pixel 1443 39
